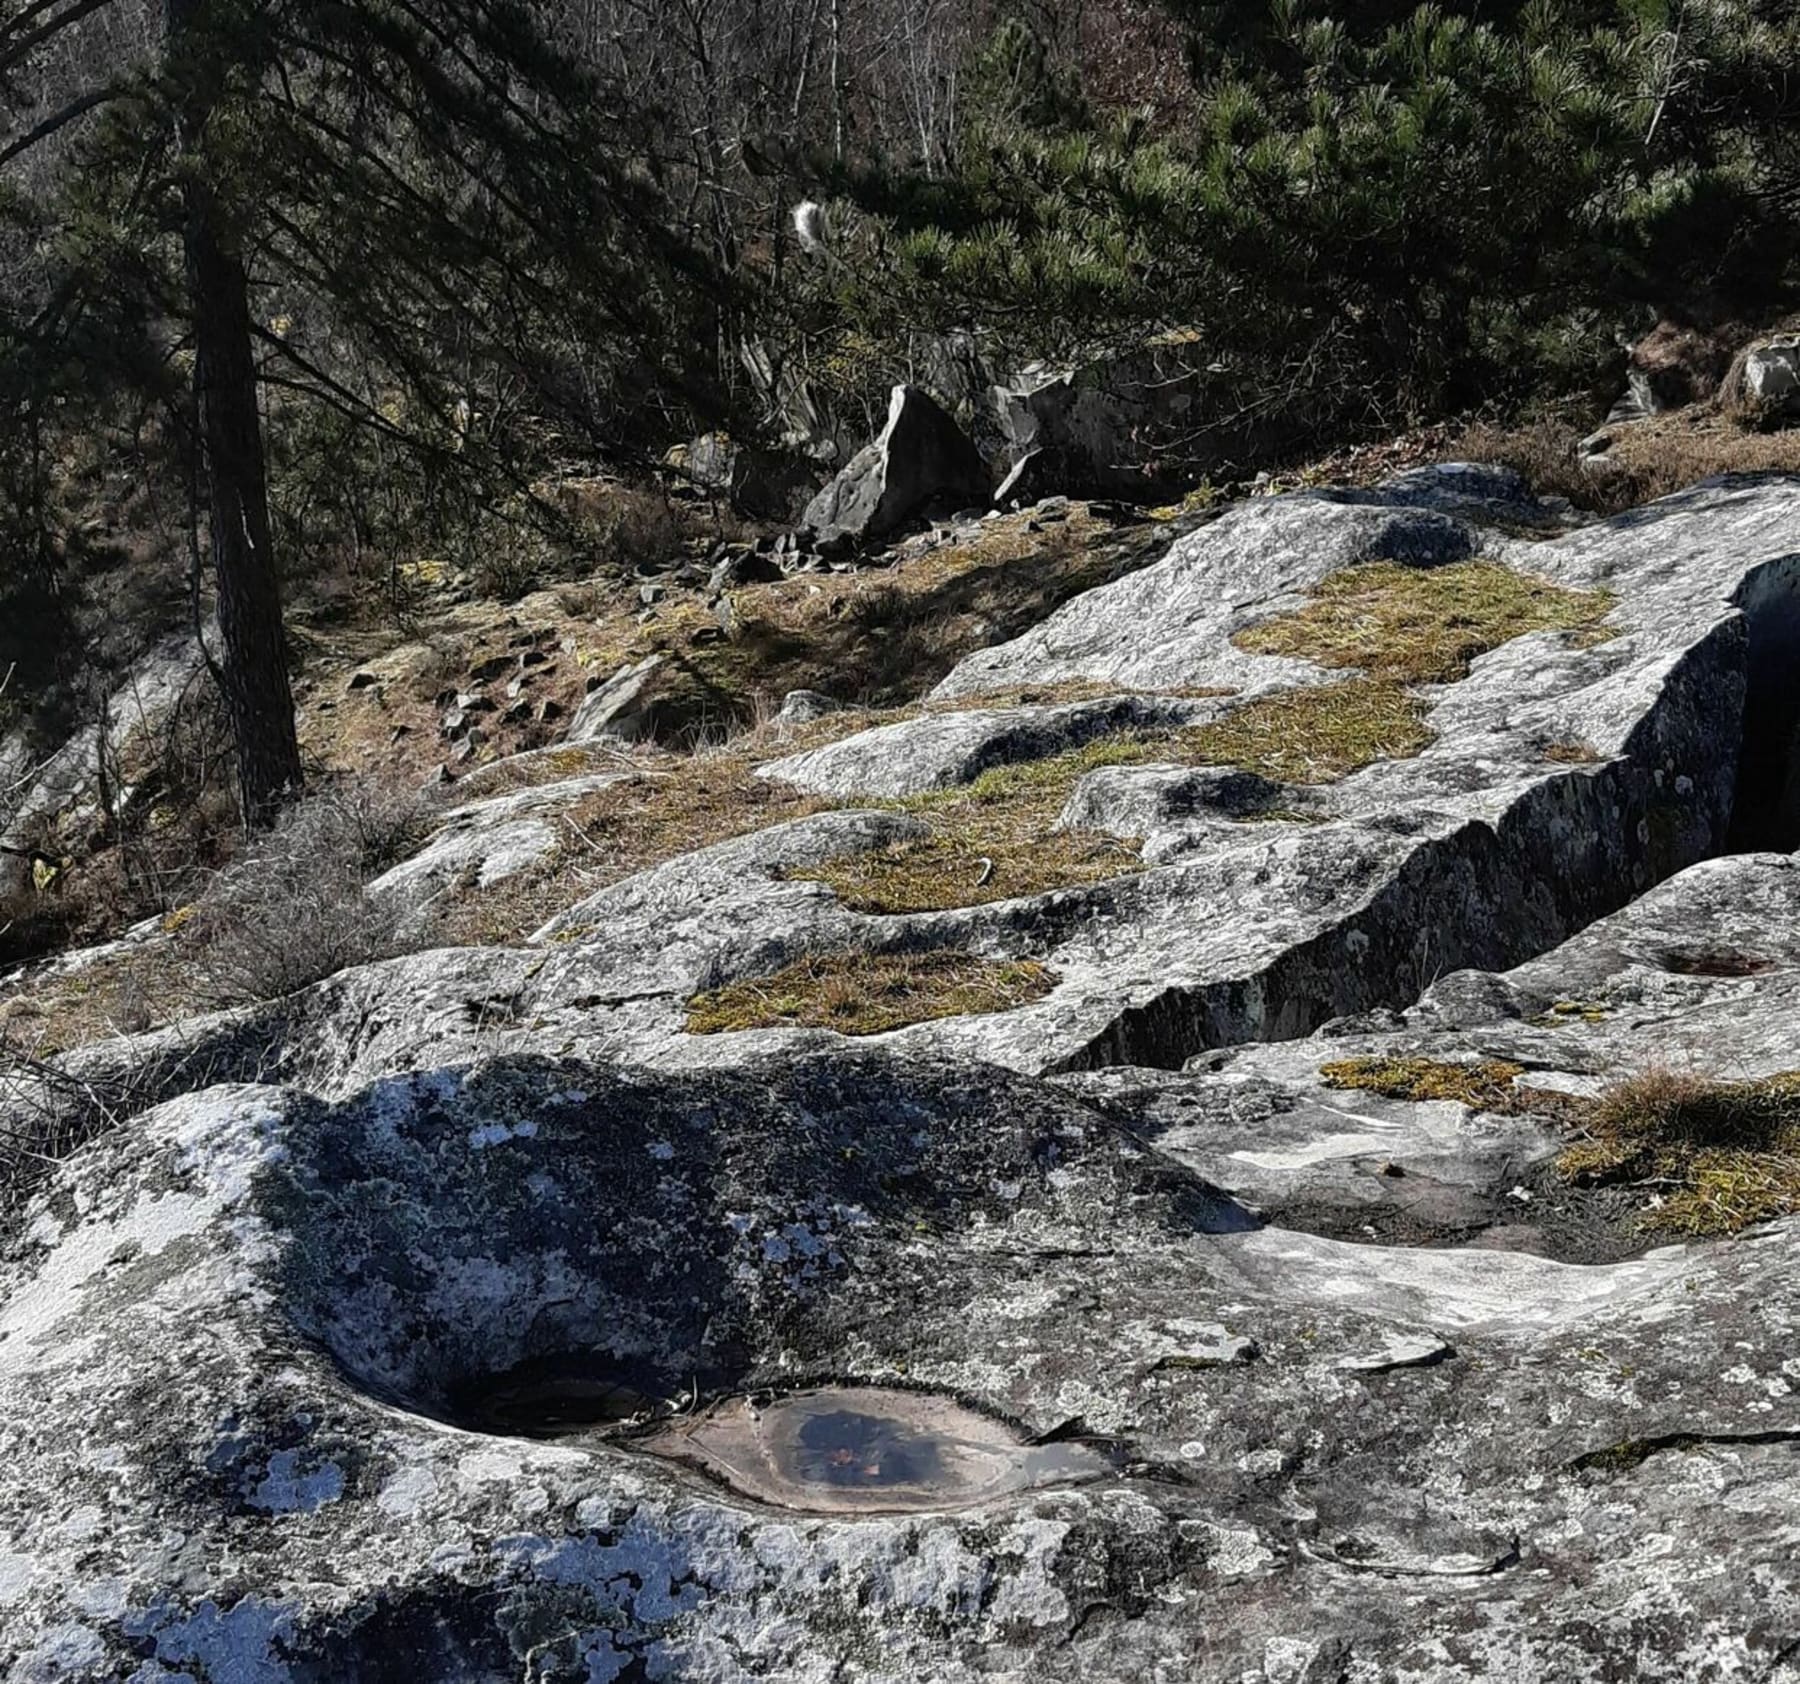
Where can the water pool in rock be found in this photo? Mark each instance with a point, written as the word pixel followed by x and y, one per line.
pixel 867 1450
pixel 832 1450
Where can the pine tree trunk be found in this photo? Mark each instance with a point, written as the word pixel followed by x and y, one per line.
pixel 253 658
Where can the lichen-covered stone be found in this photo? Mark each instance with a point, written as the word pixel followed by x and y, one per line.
pixel 237 1334
pixel 1385 1397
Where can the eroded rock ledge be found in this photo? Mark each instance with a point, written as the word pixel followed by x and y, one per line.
pixel 237 1334
pixel 1377 1390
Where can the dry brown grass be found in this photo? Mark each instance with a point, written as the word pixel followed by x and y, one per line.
pixel 1647 459
pixel 1423 625
pixel 995 838
pixel 1482 1086
pixel 1715 1155
pixel 870 993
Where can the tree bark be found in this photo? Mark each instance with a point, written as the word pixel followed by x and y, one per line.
pixel 253 658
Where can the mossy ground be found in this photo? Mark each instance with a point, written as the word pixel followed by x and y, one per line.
pixel 996 838
pixel 1424 625
pixel 1402 626
pixel 1712 1155
pixel 869 993
pixel 1484 1086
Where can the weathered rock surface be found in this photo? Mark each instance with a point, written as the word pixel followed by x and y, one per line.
pixel 1382 1399
pixel 1701 974
pixel 920 457
pixel 623 707
pixel 62 788
pixel 1772 377
pixel 486 842
pixel 944 749
pixel 242 1339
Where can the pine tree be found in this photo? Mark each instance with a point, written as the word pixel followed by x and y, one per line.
pixel 431 182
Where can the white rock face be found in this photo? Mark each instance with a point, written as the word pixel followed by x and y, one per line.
pixel 1379 1392
pixel 1772 376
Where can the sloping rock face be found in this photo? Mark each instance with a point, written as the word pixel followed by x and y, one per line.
pixel 1328 1382
pixel 44 795
pixel 1700 975
pixel 243 1344
pixel 921 456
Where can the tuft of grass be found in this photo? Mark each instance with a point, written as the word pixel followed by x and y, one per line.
pixel 1486 1086
pixel 1314 735
pixel 1572 754
pixel 859 993
pixel 1722 1154
pixel 1424 625
pixel 996 838
pixel 1572 1011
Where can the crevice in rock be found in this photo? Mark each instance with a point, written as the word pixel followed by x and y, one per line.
pixel 1572 849
pixel 1633 1453
pixel 1766 812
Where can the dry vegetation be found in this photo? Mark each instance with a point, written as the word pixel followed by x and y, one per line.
pixel 1483 1086
pixel 997 837
pixel 1424 625
pixel 1646 459
pixel 1715 1155
pixel 870 993
pixel 1711 1155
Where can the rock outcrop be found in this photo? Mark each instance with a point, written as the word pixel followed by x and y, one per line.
pixel 1229 1306
pixel 921 457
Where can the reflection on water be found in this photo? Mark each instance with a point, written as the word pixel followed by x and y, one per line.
pixel 869 1451
pixel 837 1450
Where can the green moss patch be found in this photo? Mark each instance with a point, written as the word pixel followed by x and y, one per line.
pixel 1719 1155
pixel 869 993
pixel 1424 625
pixel 1485 1086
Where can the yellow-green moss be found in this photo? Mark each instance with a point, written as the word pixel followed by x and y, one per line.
pixel 869 993
pixel 1315 735
pixel 995 838
pixel 1719 1154
pixel 1572 1011
pixel 1485 1086
pixel 1423 625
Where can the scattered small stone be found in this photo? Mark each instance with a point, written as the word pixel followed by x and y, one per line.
pixel 800 706
pixel 1407 1350
pixel 744 567
pixel 361 681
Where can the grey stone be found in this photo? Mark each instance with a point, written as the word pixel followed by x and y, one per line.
pixel 240 1338
pixel 620 707
pixel 1365 1419
pixel 921 456
pixel 1772 377
pixel 801 707
pixel 1034 476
